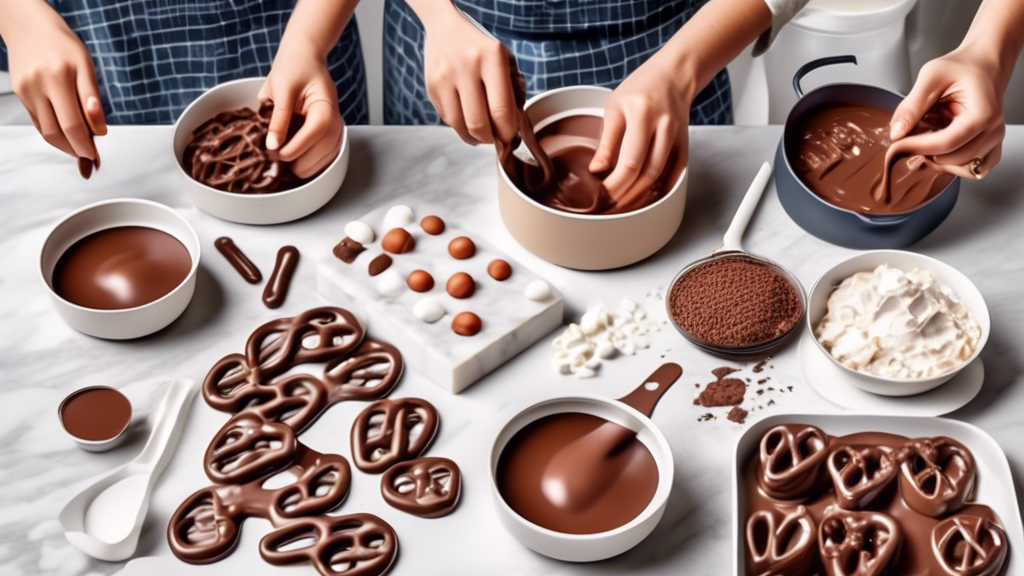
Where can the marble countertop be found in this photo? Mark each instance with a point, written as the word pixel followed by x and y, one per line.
pixel 41 359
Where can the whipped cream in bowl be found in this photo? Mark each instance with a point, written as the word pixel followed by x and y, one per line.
pixel 901 323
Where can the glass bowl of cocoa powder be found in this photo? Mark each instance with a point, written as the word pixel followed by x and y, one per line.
pixel 733 303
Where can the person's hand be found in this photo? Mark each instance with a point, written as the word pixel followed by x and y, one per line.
pixel 645 118
pixel 963 86
pixel 53 77
pixel 468 81
pixel 299 83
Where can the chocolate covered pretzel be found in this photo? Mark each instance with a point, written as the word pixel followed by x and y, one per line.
pixel 936 475
pixel 248 447
pixel 385 433
pixel 967 545
pixel 858 543
pixel 427 487
pixel 782 543
pixel 353 545
pixel 860 474
pixel 791 458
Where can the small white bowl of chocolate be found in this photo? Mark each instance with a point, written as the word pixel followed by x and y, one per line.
pixel 569 218
pixel 121 269
pixel 220 150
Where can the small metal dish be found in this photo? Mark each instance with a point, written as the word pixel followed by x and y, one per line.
pixel 95 445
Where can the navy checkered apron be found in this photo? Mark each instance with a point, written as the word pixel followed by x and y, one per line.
pixel 556 42
pixel 154 57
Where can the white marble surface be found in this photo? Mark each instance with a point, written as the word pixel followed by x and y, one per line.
pixel 41 360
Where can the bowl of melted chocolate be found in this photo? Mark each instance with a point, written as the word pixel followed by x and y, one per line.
pixel 121 269
pixel 220 147
pixel 559 210
pixel 840 177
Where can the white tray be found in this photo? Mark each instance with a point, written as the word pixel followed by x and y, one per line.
pixel 994 487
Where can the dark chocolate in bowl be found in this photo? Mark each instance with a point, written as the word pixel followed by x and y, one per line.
pixel 838 225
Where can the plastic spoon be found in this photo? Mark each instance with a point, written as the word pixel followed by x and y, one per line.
pixel 104 520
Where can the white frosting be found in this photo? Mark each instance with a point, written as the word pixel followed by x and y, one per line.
pixel 399 216
pixel 360 232
pixel 390 283
pixel 601 335
pixel 428 310
pixel 538 290
pixel 897 324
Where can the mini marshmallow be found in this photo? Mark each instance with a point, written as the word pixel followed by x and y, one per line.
pixel 538 290
pixel 390 283
pixel 399 216
pixel 428 310
pixel 360 232
pixel 585 372
pixel 601 335
pixel 628 305
pixel 606 350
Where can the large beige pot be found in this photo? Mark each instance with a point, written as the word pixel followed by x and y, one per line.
pixel 581 241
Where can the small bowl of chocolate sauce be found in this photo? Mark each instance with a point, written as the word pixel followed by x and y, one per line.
pixel 96 418
pixel 121 269
pixel 569 218
pixel 226 171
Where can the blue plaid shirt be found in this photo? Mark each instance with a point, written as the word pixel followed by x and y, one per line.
pixel 556 42
pixel 154 57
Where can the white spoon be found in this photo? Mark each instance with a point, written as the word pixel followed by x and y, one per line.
pixel 105 518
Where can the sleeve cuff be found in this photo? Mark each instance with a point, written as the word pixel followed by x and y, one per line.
pixel 782 12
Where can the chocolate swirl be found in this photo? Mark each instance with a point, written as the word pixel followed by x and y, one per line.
pixel 860 474
pixel 966 545
pixel 791 460
pixel 786 547
pixel 858 543
pixel 936 475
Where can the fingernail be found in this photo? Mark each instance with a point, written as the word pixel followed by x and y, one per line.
pixel 272 142
pixel 597 165
pixel 899 127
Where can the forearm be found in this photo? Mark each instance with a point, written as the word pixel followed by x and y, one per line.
pixel 715 35
pixel 997 32
pixel 22 17
pixel 317 25
pixel 431 11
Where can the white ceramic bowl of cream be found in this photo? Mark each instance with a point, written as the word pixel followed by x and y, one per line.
pixel 965 290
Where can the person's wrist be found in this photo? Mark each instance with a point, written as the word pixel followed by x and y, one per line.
pixel 27 18
pixel 435 15
pixel 300 49
pixel 683 78
pixel 989 54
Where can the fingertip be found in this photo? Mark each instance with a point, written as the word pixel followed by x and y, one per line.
pixel 599 163
pixel 94 112
pixel 273 141
pixel 898 129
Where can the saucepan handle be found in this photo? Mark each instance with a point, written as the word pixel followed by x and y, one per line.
pixel 645 397
pixel 814 65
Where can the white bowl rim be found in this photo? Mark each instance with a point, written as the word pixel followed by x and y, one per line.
pixel 572 215
pixel 649 511
pixel 945 375
pixel 250 197
pixel 191 273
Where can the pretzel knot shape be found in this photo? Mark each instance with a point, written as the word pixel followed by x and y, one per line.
pixel 936 475
pixel 968 545
pixel 372 371
pixel 427 487
pixel 385 433
pixel 321 487
pixel 860 474
pixel 791 459
pixel 248 447
pixel 858 543
pixel 788 546
pixel 228 152
pixel 353 545
pixel 204 528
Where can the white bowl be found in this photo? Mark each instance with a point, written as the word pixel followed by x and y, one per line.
pixel 817 306
pixel 125 323
pixel 586 241
pixel 272 208
pixel 601 545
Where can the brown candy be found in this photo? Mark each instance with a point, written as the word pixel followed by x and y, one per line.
pixel 384 433
pixel 499 269
pixel 360 544
pixel 467 324
pixel 347 250
pixel 281 278
pixel 936 475
pixel 791 458
pixel 860 474
pixel 461 285
pixel 427 487
pixel 782 546
pixel 398 241
pixel 238 260
pixel 461 248
pixel 420 281
pixel 968 545
pixel 858 543
pixel 379 264
pixel 432 225
pixel 248 447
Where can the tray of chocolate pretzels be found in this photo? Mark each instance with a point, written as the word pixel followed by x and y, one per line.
pixel 841 495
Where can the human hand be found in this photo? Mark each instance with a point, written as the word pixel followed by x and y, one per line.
pixel 53 76
pixel 963 86
pixel 468 81
pixel 300 83
pixel 645 118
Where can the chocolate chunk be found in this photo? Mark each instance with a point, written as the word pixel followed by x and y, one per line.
pixel 467 324
pixel 461 248
pixel 737 414
pixel 238 260
pixel 461 285
pixel 347 250
pixel 499 270
pixel 398 241
pixel 379 264
pixel 432 225
pixel 420 281
pixel 276 290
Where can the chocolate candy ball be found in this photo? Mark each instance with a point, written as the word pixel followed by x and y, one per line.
pixel 432 225
pixel 466 324
pixel 499 269
pixel 398 241
pixel 461 285
pixel 462 248
pixel 420 281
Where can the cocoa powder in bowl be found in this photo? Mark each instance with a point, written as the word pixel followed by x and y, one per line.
pixel 735 302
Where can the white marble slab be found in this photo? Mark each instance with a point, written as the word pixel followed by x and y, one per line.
pixel 41 360
pixel 511 321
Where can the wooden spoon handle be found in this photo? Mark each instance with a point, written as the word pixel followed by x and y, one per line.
pixel 645 396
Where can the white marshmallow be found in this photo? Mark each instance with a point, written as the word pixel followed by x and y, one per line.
pixel 428 310
pixel 390 283
pixel 398 216
pixel 360 232
pixel 538 290
pixel 586 372
pixel 601 335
